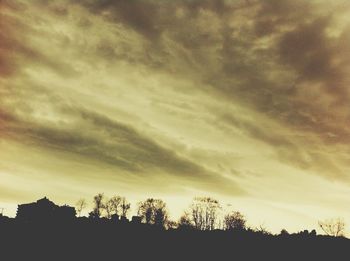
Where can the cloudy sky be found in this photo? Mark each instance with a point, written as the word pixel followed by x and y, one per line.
pixel 244 100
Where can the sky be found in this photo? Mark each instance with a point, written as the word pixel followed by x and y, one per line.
pixel 246 101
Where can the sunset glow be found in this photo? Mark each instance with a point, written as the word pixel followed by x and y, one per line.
pixel 245 101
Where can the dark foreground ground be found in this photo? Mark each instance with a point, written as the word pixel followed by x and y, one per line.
pixel 89 241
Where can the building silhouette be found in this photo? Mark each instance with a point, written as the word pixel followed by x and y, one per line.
pixel 44 210
pixel 136 220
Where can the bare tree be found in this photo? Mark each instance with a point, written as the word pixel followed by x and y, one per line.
pixel 153 211
pixel 98 205
pixel 333 227
pixel 115 202
pixel 262 230
pixel 197 212
pixel 124 206
pixel 80 206
pixel 204 213
pixel 145 210
pixel 185 221
pixel 235 221
pixel 116 205
pixel 108 206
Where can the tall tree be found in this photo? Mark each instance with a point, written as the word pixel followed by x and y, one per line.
pixel 333 227
pixel 115 202
pixel 153 211
pixel 234 221
pixel 204 213
pixel 185 221
pixel 80 206
pixel 124 207
pixel 108 206
pixel 98 205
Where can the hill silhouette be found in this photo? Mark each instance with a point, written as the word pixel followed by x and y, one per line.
pixel 43 230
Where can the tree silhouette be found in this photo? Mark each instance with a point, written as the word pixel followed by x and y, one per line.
pixel 170 224
pixel 124 207
pixel 333 227
pixel 116 205
pixel 108 206
pixel 204 213
pixel 80 206
pixel 284 232
pixel 234 221
pixel 185 221
pixel 43 225
pixel 160 217
pixel 261 229
pixel 98 206
pixel 153 211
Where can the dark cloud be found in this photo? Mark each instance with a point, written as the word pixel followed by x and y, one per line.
pixel 7 61
pixel 109 142
pixel 286 147
pixel 151 18
pixel 275 57
pixel 302 54
pixel 309 51
pixel 16 49
pixel 211 43
pixel 143 16
pixel 262 133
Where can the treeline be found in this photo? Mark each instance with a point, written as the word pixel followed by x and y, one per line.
pixel 43 230
pixel 204 214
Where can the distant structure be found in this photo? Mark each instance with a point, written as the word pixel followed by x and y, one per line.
pixel 44 210
pixel 123 220
pixel 136 220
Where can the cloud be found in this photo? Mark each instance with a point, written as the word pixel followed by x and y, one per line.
pixel 289 146
pixel 16 47
pixel 227 97
pixel 260 54
pixel 109 142
pixel 269 56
